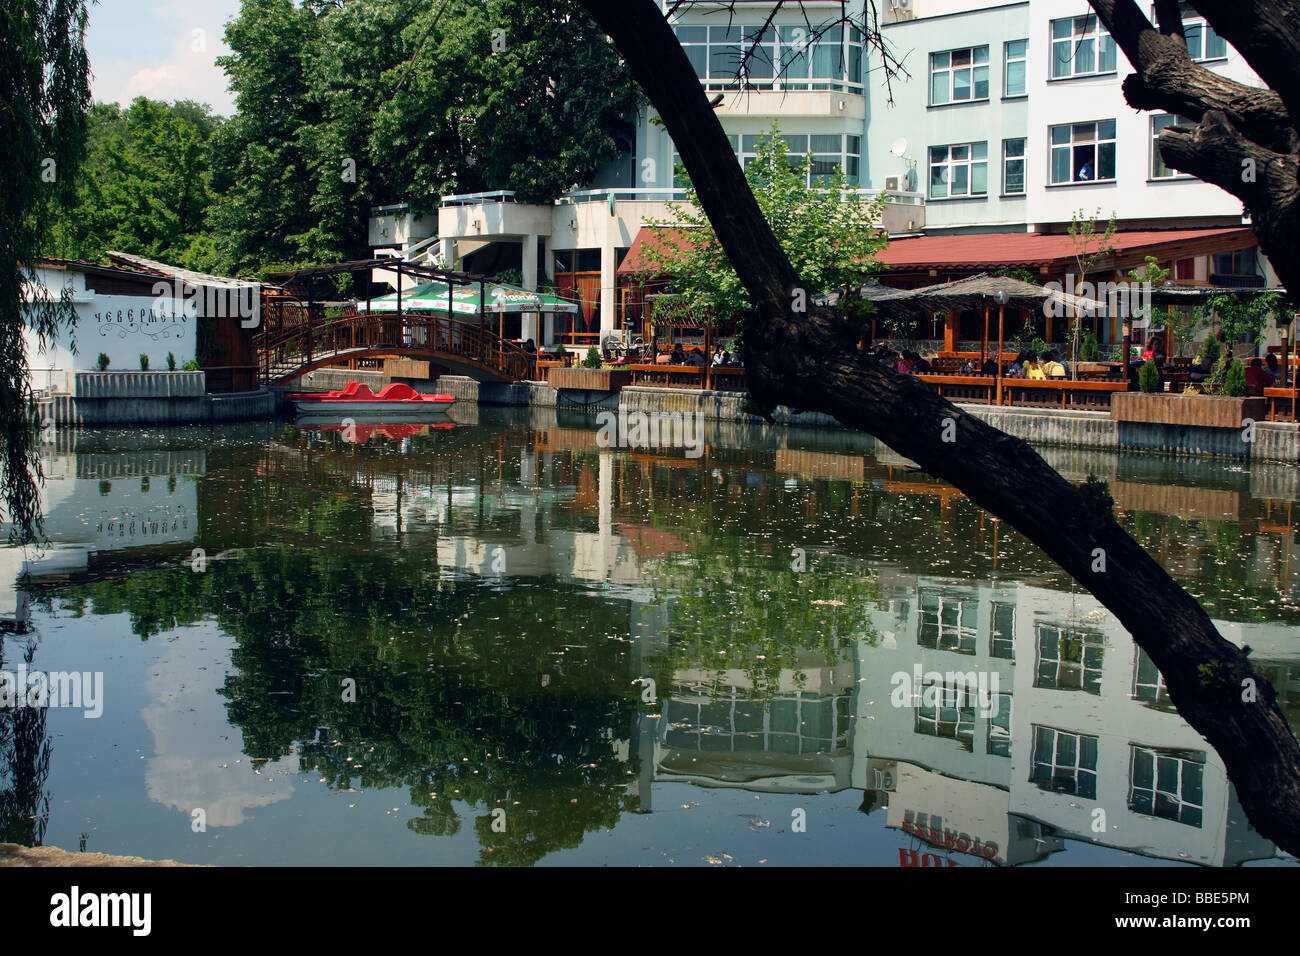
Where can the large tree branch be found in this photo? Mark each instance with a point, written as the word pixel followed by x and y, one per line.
pixel 809 361
pixel 1267 34
pixel 1168 80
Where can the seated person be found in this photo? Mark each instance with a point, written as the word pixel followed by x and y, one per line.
pixel 1257 379
pixel 1056 357
pixel 719 357
pixel 1034 371
pixel 695 357
pixel 990 367
pixel 968 367
pixel 1050 367
pixel 678 356
pixel 1273 368
pixel 902 364
pixel 920 364
pixel 529 346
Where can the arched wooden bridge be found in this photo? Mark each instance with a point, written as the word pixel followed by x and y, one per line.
pixel 288 349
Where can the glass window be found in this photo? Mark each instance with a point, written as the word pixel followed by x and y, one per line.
pixel 1083 152
pixel 1202 42
pixel 999 734
pixel 1013 166
pixel 961 170
pixel 1169 784
pixel 1064 762
pixel 1158 168
pixel 1015 55
pixel 1069 660
pixel 1081 46
pixel 959 76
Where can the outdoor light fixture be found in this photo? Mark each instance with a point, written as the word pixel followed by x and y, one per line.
pixel 1001 297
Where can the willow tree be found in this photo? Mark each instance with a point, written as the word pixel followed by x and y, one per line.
pixel 44 96
pixel 810 360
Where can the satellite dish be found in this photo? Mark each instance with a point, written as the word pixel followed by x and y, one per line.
pixel 899 147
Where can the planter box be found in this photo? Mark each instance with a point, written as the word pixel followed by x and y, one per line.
pixel 591 379
pixel 115 385
pixel 1199 411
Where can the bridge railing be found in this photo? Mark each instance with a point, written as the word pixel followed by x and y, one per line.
pixel 297 344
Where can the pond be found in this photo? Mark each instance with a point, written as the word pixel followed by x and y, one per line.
pixel 504 644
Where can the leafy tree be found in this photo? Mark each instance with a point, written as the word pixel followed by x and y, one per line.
pixel 44 95
pixel 144 184
pixel 830 233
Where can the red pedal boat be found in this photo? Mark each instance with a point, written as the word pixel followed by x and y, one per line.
pixel 397 401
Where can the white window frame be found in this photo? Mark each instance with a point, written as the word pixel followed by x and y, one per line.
pixel 1184 761
pixel 1193 21
pixel 951 163
pixel 1070 670
pixel 1024 165
pixel 951 71
pixel 1075 770
pixel 1155 148
pixel 1084 28
pixel 1007 60
pixel 1073 144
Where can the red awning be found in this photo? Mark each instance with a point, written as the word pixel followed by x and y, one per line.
pixel 979 252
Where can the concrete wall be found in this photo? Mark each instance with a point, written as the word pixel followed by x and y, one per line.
pixel 65 410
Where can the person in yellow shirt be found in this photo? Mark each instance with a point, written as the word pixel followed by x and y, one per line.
pixel 1034 371
pixel 1050 366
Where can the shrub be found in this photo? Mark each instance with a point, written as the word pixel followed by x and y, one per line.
pixel 1149 377
pixel 190 366
pixel 103 361
pixel 171 362
pixel 144 362
pixel 1234 383
pixel 561 350
pixel 1210 351
pixel 1088 350
pixel 593 358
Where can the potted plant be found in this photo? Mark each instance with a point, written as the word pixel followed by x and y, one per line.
pixel 144 362
pixel 102 361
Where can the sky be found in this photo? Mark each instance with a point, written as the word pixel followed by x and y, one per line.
pixel 163 49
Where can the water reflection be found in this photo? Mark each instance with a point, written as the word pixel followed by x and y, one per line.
pixel 545 637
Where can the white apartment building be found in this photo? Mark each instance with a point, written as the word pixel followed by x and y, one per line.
pixel 1011 120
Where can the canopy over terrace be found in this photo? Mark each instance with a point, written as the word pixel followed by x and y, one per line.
pixel 498 297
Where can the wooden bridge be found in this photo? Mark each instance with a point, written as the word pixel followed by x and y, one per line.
pixel 291 345
pixel 298 333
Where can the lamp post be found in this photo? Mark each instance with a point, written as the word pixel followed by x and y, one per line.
pixel 1128 348
pixel 1001 298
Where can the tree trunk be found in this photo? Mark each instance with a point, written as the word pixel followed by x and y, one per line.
pixel 810 360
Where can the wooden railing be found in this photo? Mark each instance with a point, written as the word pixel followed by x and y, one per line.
pixel 1033 393
pixel 283 348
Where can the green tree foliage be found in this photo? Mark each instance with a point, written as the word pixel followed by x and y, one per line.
pixel 44 95
pixel 343 107
pixel 1234 382
pixel 144 186
pixel 830 234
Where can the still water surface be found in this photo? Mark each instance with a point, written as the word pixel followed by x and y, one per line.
pixel 502 644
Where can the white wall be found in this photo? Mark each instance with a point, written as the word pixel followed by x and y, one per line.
pixel 121 326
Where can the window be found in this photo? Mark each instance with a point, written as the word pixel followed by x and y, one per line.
pixel 957 171
pixel 1065 762
pixel 1202 42
pixel 944 718
pixel 1013 167
pixel 1014 55
pixel 790 58
pixel 1002 635
pixel 1239 263
pixel 1083 152
pixel 1158 168
pixel 949 622
pixel 959 76
pixel 1167 783
pixel 999 735
pixel 1081 47
pixel 828 153
pixel 1069 660
pixel 1148 682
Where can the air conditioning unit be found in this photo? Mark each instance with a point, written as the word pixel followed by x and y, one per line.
pixel 899 10
pixel 891 184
